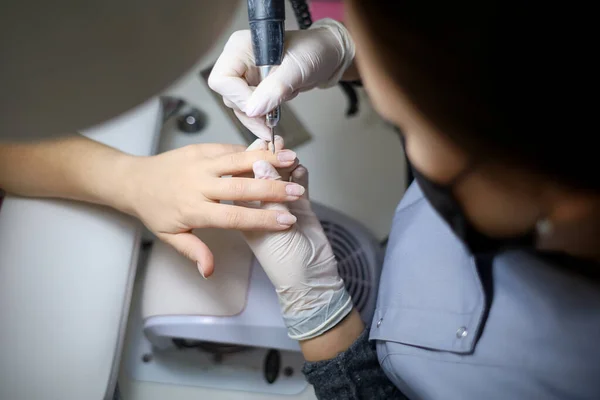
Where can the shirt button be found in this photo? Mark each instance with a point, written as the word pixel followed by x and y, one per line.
pixel 462 332
pixel 379 322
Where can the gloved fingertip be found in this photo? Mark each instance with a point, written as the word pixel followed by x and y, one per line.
pixel 299 172
pixel 264 170
pixel 261 168
pixel 260 129
pixel 300 176
pixel 257 104
pixel 258 144
pixel 252 109
pixel 255 125
pixel 264 136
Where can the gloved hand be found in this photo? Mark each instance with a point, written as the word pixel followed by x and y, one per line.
pixel 300 262
pixel 314 57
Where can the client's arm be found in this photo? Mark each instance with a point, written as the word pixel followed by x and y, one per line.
pixel 73 168
pixel 172 193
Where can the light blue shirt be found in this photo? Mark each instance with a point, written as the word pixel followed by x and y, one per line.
pixel 446 327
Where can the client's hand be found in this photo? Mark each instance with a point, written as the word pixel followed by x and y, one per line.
pixel 177 191
pixel 300 262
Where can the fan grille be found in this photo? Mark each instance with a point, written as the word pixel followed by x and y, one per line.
pixel 353 264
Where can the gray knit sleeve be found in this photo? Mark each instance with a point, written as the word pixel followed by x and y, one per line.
pixel 353 375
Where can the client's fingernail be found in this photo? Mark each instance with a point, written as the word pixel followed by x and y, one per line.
pixel 200 270
pixel 286 156
pixel 294 190
pixel 286 219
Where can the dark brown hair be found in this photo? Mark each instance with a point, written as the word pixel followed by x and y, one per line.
pixel 503 80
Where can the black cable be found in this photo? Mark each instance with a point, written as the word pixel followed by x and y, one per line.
pixel 352 98
pixel 304 19
pixel 302 13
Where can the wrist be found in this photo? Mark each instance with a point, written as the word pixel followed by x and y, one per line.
pixel 121 191
pixel 334 341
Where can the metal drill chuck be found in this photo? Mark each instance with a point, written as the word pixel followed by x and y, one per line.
pixel 272 118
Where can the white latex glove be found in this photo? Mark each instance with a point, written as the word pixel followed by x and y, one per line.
pixel 300 263
pixel 316 57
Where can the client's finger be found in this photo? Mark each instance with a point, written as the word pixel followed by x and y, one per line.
pixel 227 216
pixel 248 189
pixel 242 162
pixel 258 144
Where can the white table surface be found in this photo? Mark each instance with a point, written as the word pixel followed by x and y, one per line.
pixel 66 274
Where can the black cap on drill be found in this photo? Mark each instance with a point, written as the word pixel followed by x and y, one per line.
pixel 267 27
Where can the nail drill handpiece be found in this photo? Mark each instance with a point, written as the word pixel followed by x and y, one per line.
pixel 267 28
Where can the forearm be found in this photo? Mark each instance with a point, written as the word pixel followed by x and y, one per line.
pixel 73 168
pixel 353 373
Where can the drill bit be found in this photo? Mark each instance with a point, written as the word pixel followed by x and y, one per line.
pixel 273 139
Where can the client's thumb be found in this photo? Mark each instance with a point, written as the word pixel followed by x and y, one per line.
pixel 191 247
